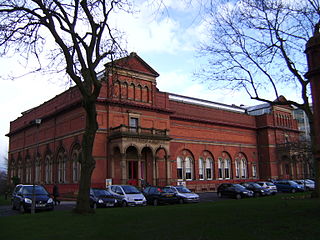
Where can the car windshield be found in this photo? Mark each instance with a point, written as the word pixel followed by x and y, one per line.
pixel 292 183
pixel 183 190
pixel 239 187
pixel 101 192
pixel 38 190
pixel 130 190
pixel 256 185
pixel 269 184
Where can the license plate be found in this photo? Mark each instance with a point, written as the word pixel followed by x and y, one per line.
pixel 40 205
pixel 109 204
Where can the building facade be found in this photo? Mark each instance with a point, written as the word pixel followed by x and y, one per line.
pixel 149 136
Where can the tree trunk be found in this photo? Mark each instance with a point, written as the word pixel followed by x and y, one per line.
pixel 87 161
pixel 316 159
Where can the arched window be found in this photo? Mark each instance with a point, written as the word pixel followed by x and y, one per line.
pixel 224 168
pixel 201 169
pixel 179 168
pixel 28 171
pixel 227 168
pixel 237 165
pixel 75 165
pixel 48 169
pixel 185 168
pixel 220 167
pixel 209 168
pixel 243 168
pixel 38 169
pixel 188 168
pixel 62 167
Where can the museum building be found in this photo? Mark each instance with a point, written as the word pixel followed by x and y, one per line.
pixel 149 136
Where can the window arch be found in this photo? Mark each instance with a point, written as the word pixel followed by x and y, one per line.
pixel 38 169
pixel 28 170
pixel 188 168
pixel 76 168
pixel 201 168
pixel 62 161
pixel 209 168
pixel 185 168
pixel 48 169
pixel 224 167
pixel 244 173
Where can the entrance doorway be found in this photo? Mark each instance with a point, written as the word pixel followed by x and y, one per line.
pixel 133 173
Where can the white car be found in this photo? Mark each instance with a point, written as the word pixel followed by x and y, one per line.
pixel 185 195
pixel 270 186
pixel 129 195
pixel 307 184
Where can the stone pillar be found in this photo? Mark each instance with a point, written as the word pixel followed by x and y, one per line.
pixel 313 75
pixel 123 165
pixel 154 171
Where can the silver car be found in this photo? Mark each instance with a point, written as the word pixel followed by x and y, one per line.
pixel 270 186
pixel 185 195
pixel 129 195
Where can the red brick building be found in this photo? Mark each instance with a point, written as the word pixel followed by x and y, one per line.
pixel 146 135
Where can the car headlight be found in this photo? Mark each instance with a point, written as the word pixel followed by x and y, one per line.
pixel 100 201
pixel 262 190
pixel 115 201
pixel 28 200
pixel 50 200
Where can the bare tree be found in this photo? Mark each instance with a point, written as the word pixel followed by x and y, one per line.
pixel 258 46
pixel 83 39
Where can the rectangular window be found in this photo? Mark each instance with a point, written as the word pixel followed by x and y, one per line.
pixel 134 124
pixel 254 171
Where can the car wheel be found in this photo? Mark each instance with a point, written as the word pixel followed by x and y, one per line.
pixel 181 201
pixel 155 202
pixel 238 196
pixel 293 190
pixel 219 194
pixel 124 204
pixel 22 209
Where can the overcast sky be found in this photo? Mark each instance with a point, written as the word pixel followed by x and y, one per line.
pixel 167 42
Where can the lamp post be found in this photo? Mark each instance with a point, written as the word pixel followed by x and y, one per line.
pixel 37 122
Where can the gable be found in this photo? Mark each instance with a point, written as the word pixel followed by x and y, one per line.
pixel 134 63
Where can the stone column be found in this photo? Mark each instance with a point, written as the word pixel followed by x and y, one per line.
pixel 313 75
pixel 154 171
pixel 123 165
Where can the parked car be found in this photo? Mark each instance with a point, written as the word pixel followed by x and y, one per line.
pixel 128 195
pixel 288 186
pixel 22 197
pixel 307 184
pixel 257 190
pixel 185 195
pixel 102 198
pixel 160 195
pixel 270 186
pixel 233 190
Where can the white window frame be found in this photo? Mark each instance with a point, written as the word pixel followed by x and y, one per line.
pixel 201 168
pixel 209 166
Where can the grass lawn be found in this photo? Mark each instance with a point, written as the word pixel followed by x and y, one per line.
pixel 270 218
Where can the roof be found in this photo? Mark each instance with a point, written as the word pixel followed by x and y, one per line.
pixel 133 63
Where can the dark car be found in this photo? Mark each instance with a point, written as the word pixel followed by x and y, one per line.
pixel 160 195
pixel 256 189
pixel 22 197
pixel 288 186
pixel 233 190
pixel 102 198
